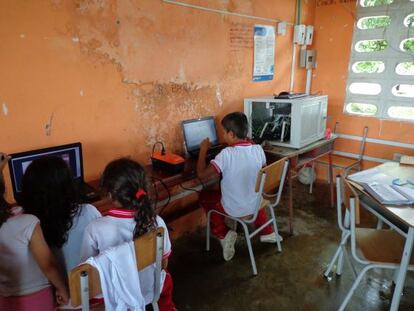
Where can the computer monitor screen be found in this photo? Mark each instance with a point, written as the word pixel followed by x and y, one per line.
pixel 198 129
pixel 18 163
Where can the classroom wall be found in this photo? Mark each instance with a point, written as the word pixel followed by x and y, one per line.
pixel 334 20
pixel 120 75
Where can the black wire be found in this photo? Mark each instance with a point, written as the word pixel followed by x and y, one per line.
pixel 168 191
pixel 162 147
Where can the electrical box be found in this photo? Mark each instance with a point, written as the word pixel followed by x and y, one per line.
pixel 309 35
pixel 310 59
pixel 281 28
pixel 299 34
pixel 307 59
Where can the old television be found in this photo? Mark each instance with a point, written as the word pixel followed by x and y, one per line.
pixel 292 123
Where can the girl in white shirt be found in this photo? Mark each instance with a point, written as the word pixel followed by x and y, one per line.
pixel 26 262
pixel 49 193
pixel 131 216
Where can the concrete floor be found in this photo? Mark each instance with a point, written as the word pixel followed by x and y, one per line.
pixel 291 280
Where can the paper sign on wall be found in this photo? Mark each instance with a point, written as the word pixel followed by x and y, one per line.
pixel 264 53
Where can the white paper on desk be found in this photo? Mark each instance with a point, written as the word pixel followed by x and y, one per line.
pixel 371 175
pixel 386 194
pixel 408 192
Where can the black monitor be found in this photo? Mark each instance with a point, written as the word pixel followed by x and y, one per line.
pixel 196 130
pixel 18 163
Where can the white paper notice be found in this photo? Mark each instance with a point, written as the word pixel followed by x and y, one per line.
pixel 264 53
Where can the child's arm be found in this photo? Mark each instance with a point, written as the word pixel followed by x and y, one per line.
pixel 4 158
pixel 202 169
pixel 47 263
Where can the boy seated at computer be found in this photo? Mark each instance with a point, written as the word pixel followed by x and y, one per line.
pixel 238 164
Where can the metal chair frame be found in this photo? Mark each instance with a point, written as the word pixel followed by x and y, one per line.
pixel 245 222
pixel 343 224
pixel 368 265
pixel 346 169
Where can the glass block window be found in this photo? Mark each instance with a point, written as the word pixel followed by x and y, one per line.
pixel 381 68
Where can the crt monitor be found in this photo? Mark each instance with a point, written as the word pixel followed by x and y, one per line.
pixel 18 163
pixel 196 130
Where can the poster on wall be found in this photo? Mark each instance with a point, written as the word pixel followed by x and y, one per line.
pixel 264 53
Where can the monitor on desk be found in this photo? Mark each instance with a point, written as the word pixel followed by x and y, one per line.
pixel 196 130
pixel 71 154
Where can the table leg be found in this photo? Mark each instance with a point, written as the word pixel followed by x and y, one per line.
pixel 290 201
pixel 403 269
pixel 331 184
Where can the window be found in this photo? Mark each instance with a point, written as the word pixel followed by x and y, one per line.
pixel 381 72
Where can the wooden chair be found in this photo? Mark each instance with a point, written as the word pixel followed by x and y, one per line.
pixel 269 184
pixel 345 164
pixel 378 248
pixel 84 281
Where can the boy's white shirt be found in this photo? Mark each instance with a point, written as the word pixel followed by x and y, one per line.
pixel 109 231
pixel 239 165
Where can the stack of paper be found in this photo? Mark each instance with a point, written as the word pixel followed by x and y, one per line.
pixel 390 194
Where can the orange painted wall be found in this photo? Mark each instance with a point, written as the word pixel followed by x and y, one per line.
pixel 334 21
pixel 120 75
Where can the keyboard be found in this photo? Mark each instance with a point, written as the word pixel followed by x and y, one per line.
pixel 212 152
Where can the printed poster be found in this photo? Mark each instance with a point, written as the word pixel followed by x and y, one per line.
pixel 264 53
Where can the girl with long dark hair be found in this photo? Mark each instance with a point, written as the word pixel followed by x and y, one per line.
pixel 131 216
pixel 49 193
pixel 26 262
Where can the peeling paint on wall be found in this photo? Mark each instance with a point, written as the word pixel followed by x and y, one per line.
pixel 160 103
pixel 48 126
pixel 5 109
pixel 218 95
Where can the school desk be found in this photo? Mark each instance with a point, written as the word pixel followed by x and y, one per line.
pixel 168 189
pixel 299 158
pixel 400 218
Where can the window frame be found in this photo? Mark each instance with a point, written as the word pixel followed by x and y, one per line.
pixel 394 34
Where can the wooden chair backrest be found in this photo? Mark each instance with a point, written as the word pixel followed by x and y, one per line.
pixel 145 252
pixel 348 192
pixel 273 176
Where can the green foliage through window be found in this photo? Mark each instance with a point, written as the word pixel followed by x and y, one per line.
pixel 406 68
pixel 368 67
pixel 362 109
pixel 408 45
pixel 409 21
pixel 367 3
pixel 374 22
pixel 371 45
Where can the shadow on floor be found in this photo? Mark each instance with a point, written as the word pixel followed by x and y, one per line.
pixel 291 280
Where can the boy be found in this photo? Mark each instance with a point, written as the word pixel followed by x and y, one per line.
pixel 238 165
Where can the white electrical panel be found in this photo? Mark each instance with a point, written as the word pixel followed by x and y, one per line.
pixel 299 34
pixel 281 28
pixel 309 35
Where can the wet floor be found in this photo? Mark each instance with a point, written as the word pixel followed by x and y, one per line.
pixel 291 280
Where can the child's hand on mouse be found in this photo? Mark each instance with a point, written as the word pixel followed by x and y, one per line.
pixel 4 158
pixel 205 144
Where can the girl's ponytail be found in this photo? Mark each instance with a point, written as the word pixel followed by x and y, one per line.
pixel 126 182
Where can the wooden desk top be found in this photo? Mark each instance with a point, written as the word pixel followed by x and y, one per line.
pixel 392 170
pixel 291 152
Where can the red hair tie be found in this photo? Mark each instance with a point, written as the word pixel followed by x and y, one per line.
pixel 140 193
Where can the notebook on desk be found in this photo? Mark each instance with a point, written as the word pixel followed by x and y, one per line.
pixel 71 154
pixel 195 131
